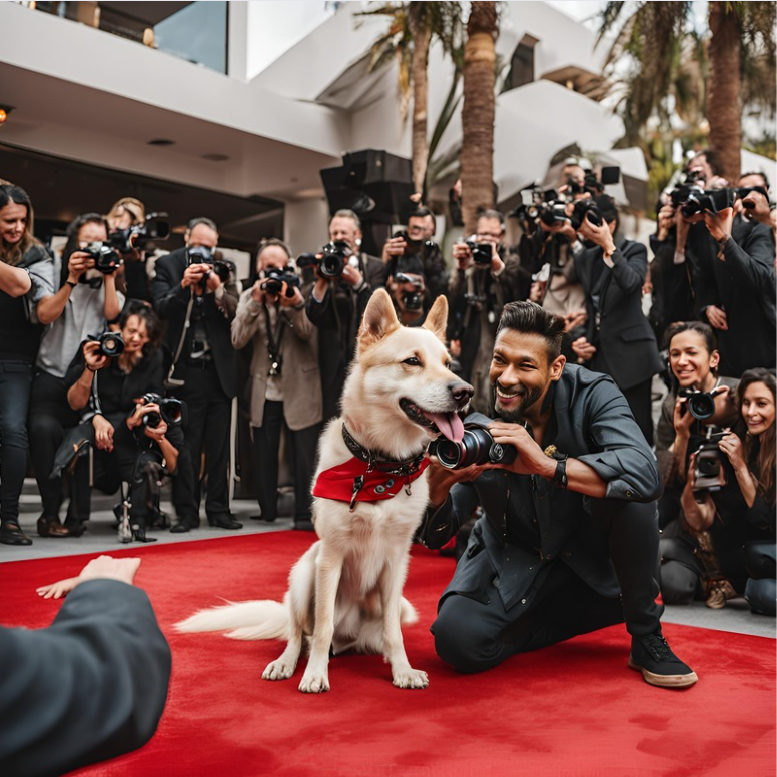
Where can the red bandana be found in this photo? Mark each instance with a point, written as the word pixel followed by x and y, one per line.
pixel 351 482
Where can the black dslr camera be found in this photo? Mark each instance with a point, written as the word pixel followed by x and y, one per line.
pixel 481 252
pixel 588 210
pixel 710 467
pixel 476 447
pixel 331 261
pixel 743 191
pixel 170 411
pixel 275 278
pixel 204 255
pixel 111 343
pixel 106 260
pixel 699 404
pixel 412 300
pixel 155 228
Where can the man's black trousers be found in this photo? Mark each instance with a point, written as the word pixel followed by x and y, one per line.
pixel 302 443
pixel 474 636
pixel 209 412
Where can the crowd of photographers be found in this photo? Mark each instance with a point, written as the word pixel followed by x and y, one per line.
pixel 119 365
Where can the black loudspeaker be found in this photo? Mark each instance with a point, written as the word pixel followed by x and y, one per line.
pixel 374 184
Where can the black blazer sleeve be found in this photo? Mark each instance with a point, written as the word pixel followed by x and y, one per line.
pixel 89 687
pixel 166 291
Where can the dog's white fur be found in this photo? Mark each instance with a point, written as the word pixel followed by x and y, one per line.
pixel 345 592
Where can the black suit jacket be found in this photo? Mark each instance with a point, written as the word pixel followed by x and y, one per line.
pixel 742 283
pixel 594 424
pixel 89 687
pixel 171 302
pixel 625 342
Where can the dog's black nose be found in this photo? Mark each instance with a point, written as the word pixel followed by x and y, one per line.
pixel 462 392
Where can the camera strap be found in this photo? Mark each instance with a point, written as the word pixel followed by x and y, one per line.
pixel 170 381
pixel 274 340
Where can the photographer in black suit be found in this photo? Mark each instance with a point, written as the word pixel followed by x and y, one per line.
pixel 336 304
pixel 619 340
pixel 198 296
pixel 736 289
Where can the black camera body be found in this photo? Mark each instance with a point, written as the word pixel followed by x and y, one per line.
pixel 476 447
pixel 334 256
pixel 412 300
pixel 743 191
pixel 205 255
pixel 111 343
pixel 711 465
pixel 170 411
pixel 275 278
pixel 481 252
pixel 699 404
pixel 692 198
pixel 588 210
pixel 155 228
pixel 106 259
pixel 420 247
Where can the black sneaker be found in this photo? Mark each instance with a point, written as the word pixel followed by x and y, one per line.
pixel 652 656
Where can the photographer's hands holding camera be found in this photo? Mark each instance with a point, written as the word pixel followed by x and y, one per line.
pixel 135 419
pixel 200 277
pixel 462 253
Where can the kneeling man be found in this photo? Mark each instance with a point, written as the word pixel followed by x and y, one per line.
pixel 568 541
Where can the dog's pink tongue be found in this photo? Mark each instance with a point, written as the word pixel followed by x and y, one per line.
pixel 449 424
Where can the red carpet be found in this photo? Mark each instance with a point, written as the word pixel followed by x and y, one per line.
pixel 573 709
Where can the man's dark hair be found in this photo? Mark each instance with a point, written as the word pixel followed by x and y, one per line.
pixel 705 331
pixel 712 160
pixel 490 213
pixel 759 173
pixel 531 318
pixel 209 223
pixel 421 213
pixel 273 241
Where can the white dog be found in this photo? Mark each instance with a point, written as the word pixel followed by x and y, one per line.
pixel 345 593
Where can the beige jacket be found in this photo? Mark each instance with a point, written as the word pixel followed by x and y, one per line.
pixel 300 379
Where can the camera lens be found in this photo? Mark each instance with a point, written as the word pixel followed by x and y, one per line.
pixel 701 406
pixel 449 453
pixel 152 419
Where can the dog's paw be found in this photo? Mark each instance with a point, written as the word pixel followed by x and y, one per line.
pixel 314 683
pixel 278 670
pixel 410 678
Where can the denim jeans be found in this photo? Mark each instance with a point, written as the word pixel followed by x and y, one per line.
pixel 15 382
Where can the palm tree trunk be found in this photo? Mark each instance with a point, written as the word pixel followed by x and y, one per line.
pixel 422 36
pixel 724 109
pixel 477 115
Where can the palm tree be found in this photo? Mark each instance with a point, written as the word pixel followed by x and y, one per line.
pixel 408 39
pixel 736 63
pixel 477 115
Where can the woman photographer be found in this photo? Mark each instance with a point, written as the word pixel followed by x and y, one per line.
pixel 688 555
pixel 285 381
pixel 26 284
pixel 108 388
pixel 92 305
pixel 124 214
pixel 741 515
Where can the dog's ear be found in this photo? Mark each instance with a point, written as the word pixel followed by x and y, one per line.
pixel 437 320
pixel 379 320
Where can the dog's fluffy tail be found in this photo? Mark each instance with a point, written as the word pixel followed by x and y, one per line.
pixel 242 620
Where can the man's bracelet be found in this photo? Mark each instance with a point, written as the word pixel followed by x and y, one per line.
pixel 72 284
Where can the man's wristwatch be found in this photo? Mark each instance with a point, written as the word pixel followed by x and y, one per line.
pixel 560 475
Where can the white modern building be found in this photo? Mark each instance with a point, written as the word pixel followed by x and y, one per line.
pixel 231 109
